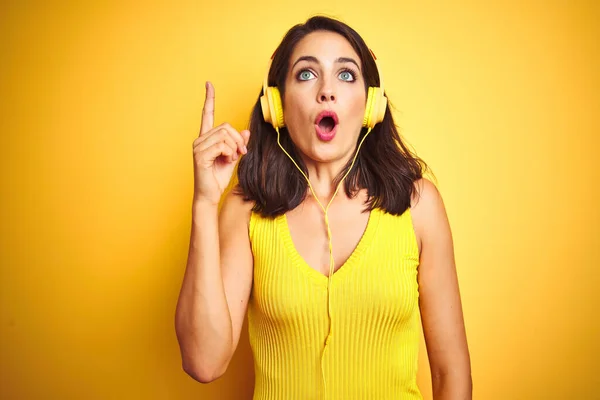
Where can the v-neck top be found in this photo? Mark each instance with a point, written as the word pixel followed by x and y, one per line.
pixel 373 349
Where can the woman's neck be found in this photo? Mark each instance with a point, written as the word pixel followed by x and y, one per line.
pixel 322 179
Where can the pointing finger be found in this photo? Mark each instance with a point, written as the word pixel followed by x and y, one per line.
pixel 208 112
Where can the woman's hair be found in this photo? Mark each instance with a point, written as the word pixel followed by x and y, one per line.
pixel 384 165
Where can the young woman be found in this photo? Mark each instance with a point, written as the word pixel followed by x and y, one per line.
pixel 335 282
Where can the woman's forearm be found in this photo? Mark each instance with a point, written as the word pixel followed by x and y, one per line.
pixel 452 386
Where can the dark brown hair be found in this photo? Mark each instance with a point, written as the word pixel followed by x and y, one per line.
pixel 384 165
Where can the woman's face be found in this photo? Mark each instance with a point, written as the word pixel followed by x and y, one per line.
pixel 324 99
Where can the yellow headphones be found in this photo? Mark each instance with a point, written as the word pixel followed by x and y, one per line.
pixel 272 108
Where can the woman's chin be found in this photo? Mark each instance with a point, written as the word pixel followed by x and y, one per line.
pixel 325 154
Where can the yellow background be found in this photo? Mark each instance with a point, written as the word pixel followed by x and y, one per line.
pixel 101 102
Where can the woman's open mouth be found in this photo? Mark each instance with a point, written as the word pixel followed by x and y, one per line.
pixel 326 125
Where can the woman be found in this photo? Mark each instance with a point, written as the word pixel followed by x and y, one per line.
pixel 334 294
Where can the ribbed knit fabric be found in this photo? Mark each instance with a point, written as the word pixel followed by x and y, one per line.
pixel 374 347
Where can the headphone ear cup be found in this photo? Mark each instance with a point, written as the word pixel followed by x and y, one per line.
pixel 272 109
pixel 375 107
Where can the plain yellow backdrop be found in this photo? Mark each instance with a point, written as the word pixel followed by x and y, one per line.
pixel 100 104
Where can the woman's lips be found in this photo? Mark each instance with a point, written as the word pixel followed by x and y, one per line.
pixel 326 131
pixel 325 135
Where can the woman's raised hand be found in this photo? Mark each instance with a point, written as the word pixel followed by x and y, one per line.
pixel 216 152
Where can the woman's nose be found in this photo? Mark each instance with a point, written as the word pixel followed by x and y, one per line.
pixel 326 93
pixel 327 96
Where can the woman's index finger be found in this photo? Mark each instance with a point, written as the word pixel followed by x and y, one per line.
pixel 208 112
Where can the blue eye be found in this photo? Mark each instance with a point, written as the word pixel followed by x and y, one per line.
pixel 347 76
pixel 305 75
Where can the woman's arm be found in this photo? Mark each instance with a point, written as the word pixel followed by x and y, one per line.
pixel 440 303
pixel 216 287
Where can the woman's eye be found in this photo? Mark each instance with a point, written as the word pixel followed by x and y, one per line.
pixel 346 76
pixel 305 75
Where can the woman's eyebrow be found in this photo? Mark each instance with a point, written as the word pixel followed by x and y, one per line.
pixel 315 60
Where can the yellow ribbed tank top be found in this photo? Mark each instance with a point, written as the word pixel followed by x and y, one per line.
pixel 373 350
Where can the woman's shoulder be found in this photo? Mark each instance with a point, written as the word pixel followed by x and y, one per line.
pixel 424 193
pixel 427 208
pixel 235 208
